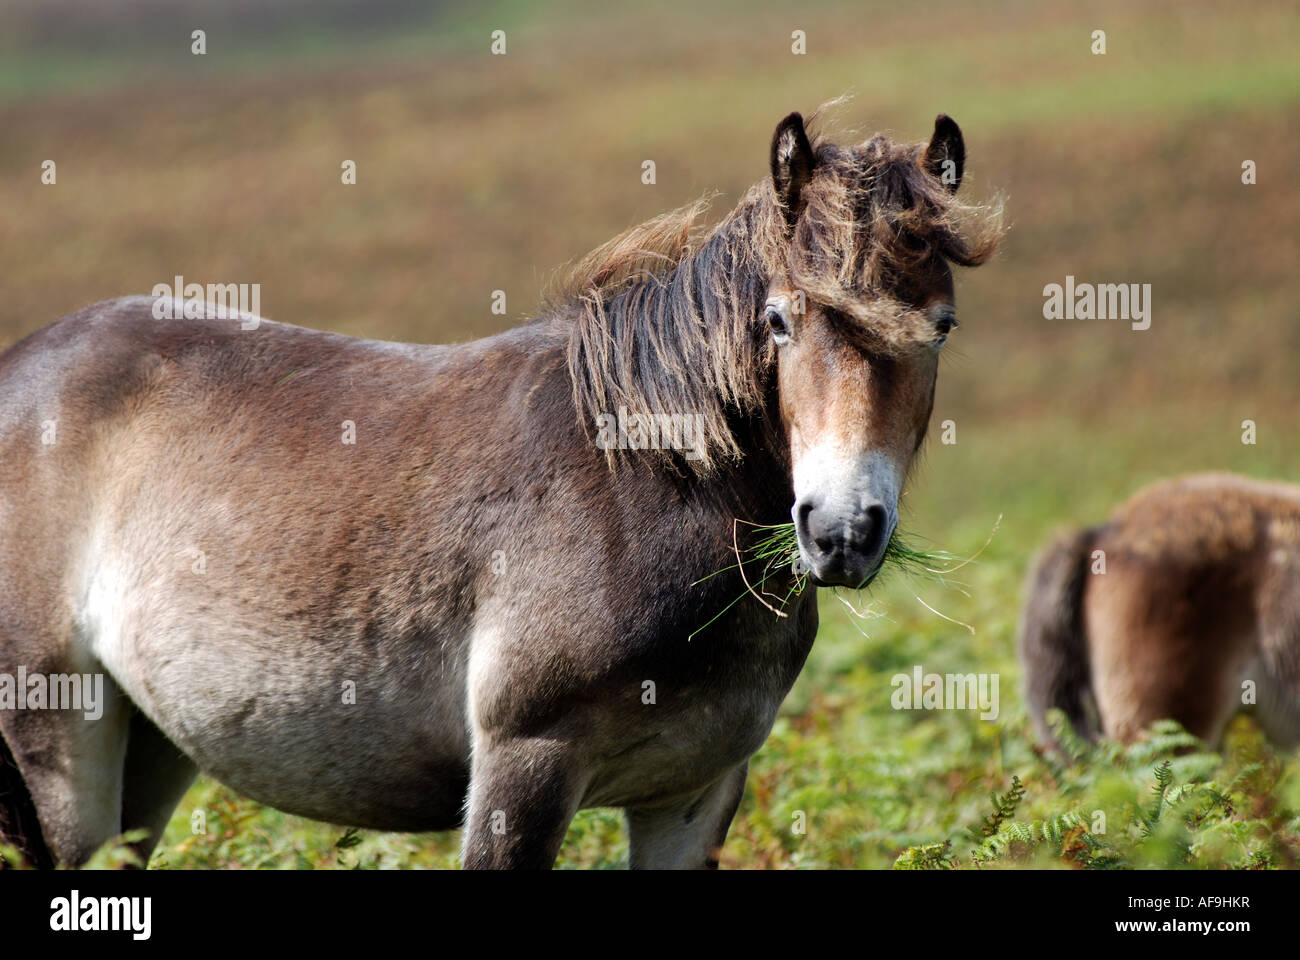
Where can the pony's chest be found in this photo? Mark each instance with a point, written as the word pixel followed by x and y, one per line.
pixel 682 752
pixel 696 725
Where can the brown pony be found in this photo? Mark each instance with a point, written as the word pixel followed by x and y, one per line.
pixel 1186 605
pixel 414 587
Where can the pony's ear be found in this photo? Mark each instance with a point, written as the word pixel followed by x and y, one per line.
pixel 792 164
pixel 946 155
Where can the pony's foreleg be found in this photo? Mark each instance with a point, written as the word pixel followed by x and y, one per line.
pixel 71 765
pixel 523 792
pixel 687 834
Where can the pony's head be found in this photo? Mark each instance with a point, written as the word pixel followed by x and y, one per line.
pixel 817 308
pixel 857 318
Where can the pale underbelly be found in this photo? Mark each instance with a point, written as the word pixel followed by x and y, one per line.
pixel 324 729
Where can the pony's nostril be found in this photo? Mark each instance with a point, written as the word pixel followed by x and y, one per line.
pixel 872 530
pixel 877 520
pixel 866 533
pixel 803 520
pixel 812 529
pixel 802 511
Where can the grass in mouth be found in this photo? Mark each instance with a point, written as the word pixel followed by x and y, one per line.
pixel 776 550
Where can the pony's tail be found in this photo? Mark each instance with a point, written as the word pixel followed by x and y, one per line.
pixel 1053 645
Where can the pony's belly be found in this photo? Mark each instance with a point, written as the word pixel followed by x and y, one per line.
pixel 373 762
pixel 312 727
pixel 374 768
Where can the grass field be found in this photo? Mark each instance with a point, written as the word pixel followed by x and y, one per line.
pixel 478 173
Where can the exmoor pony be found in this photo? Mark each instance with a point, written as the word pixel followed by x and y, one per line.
pixel 1185 605
pixel 404 587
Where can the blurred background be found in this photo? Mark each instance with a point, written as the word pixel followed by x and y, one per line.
pixel 478 172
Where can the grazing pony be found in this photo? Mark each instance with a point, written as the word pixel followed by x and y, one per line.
pixel 410 587
pixel 1185 606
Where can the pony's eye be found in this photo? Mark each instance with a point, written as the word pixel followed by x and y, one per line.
pixel 778 324
pixel 945 321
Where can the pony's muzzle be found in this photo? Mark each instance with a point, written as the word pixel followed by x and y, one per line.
pixel 842 547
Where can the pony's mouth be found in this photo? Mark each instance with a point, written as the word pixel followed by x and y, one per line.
pixel 801 569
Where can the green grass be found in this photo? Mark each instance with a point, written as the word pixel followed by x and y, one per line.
pixel 774 554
